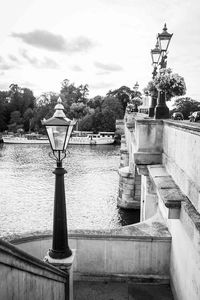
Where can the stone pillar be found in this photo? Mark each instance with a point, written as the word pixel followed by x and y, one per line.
pixel 129 189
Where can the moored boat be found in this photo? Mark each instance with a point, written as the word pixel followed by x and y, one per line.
pixel 89 138
pixel 25 139
pixel 77 138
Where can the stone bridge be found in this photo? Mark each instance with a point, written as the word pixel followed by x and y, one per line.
pixel 160 174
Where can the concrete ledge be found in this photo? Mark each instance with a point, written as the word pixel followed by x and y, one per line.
pixel 167 190
pixel 139 250
pixel 151 229
pixel 147 158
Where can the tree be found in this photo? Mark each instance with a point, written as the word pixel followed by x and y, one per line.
pixel 71 94
pixel 28 119
pixel 96 103
pixel 3 110
pixel 124 94
pixel 15 117
pixel 113 105
pixel 45 104
pixel 186 105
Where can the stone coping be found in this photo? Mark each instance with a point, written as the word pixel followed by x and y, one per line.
pixel 19 259
pixel 149 230
pixel 147 120
pixel 167 189
pixel 192 127
pixel 191 220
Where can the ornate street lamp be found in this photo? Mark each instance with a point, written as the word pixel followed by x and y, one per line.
pixel 164 38
pixel 155 56
pixel 59 129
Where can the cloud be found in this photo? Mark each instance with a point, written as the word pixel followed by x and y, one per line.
pixel 100 85
pixel 76 68
pixel 4 65
pixel 108 67
pixel 103 73
pixel 13 58
pixel 46 63
pixel 54 42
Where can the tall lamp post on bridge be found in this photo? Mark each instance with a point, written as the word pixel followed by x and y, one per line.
pixel 155 55
pixel 59 129
pixel 159 57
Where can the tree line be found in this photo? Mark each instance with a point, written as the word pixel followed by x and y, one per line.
pixel 21 111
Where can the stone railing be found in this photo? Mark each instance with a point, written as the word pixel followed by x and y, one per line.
pixel 166 155
pixel 26 277
pixel 140 251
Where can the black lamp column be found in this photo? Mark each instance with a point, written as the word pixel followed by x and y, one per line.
pixel 60 248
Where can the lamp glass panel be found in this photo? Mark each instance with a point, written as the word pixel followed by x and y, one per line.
pixel 164 44
pixel 57 136
pixel 68 136
pixel 155 57
pixel 50 136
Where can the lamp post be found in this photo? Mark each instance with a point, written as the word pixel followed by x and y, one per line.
pixel 159 57
pixel 135 97
pixel 155 55
pixel 161 109
pixel 136 86
pixel 59 129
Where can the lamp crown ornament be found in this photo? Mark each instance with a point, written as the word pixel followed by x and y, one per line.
pixel 59 109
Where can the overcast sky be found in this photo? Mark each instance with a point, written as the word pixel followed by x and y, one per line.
pixel 104 43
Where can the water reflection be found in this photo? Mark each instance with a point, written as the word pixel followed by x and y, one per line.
pixel 91 186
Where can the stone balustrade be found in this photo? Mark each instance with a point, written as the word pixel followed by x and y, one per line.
pixel 167 157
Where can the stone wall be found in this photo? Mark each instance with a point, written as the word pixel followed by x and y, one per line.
pixel 139 251
pixel 173 148
pixel 181 155
pixel 25 277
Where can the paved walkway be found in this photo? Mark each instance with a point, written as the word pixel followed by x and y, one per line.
pixel 99 290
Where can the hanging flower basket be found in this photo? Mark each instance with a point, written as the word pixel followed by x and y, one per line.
pixel 170 83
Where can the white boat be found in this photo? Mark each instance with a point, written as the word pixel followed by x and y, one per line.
pixel 89 138
pixel 26 139
pixel 77 138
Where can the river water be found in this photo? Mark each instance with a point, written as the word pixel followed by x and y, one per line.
pixel 91 186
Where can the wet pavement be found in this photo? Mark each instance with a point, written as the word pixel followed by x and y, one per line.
pixel 93 290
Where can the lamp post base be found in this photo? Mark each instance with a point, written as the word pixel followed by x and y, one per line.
pixel 60 254
pixel 161 112
pixel 65 265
